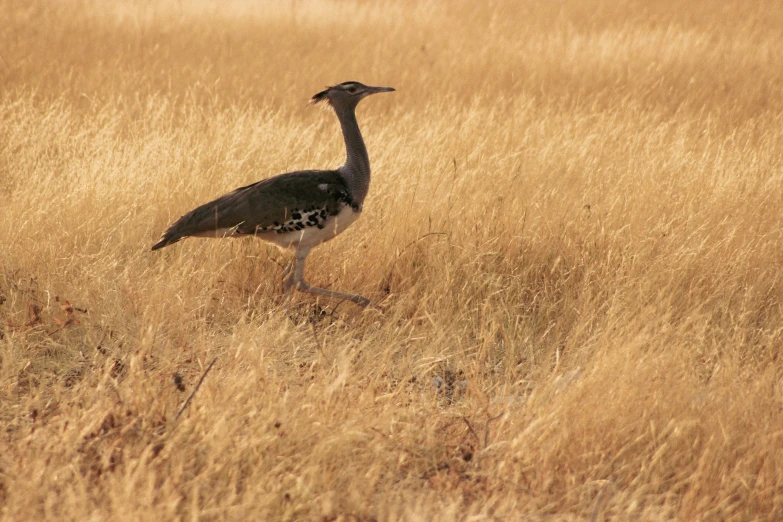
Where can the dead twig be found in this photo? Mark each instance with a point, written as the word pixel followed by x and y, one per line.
pixel 486 426
pixel 198 385
pixel 419 239
pixel 334 310
pixel 470 428
pixel 399 255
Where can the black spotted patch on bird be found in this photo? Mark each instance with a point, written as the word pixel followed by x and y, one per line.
pixel 300 219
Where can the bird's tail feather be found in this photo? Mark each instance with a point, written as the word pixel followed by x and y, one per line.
pixel 166 240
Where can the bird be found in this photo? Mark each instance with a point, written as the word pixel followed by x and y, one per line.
pixel 296 210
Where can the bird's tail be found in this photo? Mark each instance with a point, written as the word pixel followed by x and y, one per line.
pixel 167 239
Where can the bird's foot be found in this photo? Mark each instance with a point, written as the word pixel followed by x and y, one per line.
pixel 354 298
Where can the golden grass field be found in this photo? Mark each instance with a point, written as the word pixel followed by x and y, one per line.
pixel 574 226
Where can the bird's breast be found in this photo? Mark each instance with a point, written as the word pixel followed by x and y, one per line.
pixel 311 236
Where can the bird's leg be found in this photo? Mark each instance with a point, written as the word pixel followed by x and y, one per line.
pixel 288 276
pixel 299 283
pixel 288 285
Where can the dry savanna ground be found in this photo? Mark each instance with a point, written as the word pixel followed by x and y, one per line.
pixel 573 232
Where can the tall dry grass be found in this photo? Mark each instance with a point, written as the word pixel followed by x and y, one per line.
pixel 574 228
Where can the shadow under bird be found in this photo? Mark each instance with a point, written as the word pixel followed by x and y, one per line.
pixel 297 210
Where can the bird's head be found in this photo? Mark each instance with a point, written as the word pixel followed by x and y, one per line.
pixel 346 94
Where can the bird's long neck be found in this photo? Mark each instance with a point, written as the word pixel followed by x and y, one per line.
pixel 356 169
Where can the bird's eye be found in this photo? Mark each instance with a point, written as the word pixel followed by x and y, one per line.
pixel 352 90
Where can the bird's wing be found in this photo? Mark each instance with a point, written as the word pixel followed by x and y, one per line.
pixel 263 205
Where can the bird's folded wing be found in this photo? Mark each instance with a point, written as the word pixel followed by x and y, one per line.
pixel 262 205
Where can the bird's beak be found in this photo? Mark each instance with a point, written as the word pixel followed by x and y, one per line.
pixel 375 90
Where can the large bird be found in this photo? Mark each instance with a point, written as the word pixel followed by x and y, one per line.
pixel 296 210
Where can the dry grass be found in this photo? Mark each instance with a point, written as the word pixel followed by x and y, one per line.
pixel 574 226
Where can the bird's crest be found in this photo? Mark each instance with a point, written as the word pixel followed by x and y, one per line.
pixel 319 97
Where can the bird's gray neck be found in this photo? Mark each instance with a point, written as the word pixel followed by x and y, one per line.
pixel 356 169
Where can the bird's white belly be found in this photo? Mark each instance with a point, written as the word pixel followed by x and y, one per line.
pixel 311 236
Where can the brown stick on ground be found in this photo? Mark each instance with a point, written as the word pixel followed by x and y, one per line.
pixel 198 385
